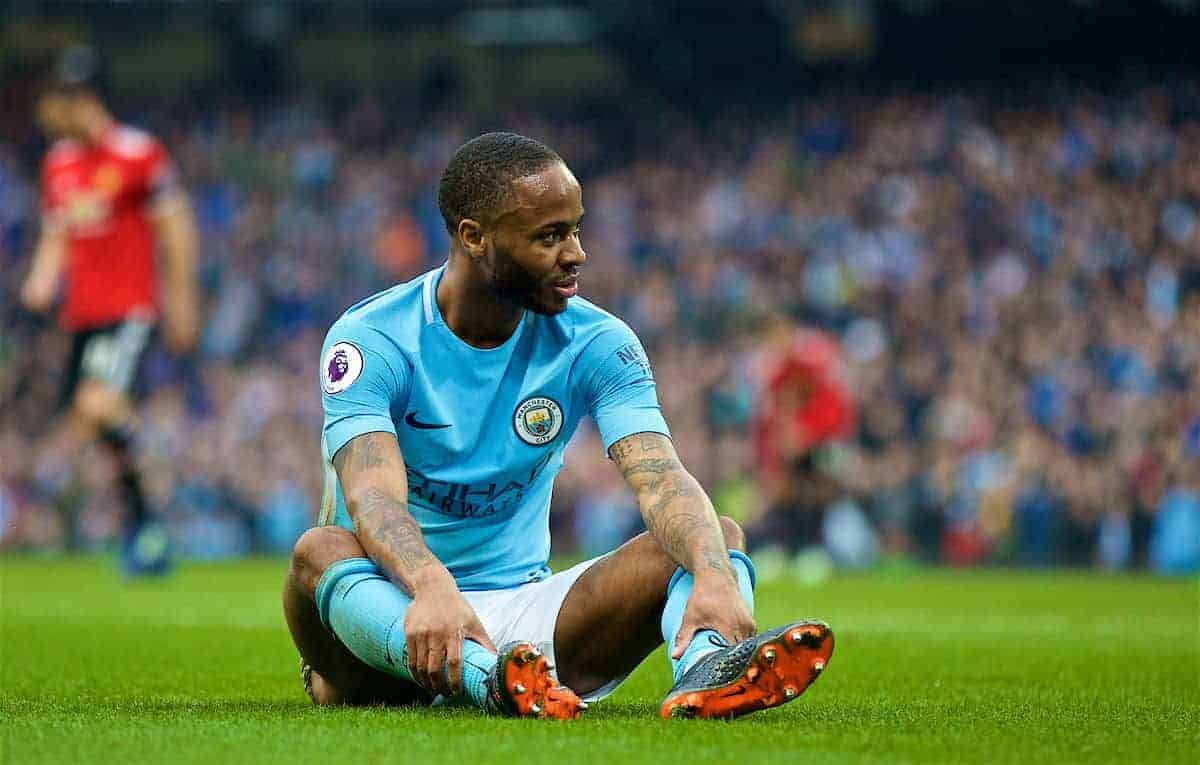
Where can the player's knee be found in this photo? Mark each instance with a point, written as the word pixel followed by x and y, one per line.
pixel 735 538
pixel 317 549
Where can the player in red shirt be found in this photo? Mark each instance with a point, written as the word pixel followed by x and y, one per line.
pixel 118 239
pixel 806 399
pixel 806 405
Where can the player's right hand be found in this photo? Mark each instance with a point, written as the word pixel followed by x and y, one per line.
pixel 714 604
pixel 435 626
pixel 37 293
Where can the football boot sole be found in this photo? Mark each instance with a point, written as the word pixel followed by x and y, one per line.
pixel 521 686
pixel 767 670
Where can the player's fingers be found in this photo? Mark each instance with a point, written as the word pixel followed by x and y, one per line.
pixel 730 630
pixel 434 663
pixel 749 629
pixel 416 653
pixel 427 677
pixel 454 667
pixel 421 661
pixel 686 631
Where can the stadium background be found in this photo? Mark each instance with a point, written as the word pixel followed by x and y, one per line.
pixel 995 211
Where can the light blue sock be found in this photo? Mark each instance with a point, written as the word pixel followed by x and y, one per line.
pixel 366 612
pixel 705 641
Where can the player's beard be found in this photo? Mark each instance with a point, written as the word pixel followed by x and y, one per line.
pixel 513 283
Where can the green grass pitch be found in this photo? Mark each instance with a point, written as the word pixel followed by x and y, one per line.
pixel 930 666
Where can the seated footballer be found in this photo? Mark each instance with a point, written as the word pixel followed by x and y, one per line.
pixel 449 401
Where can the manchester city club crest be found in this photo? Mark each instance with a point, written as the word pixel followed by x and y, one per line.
pixel 538 420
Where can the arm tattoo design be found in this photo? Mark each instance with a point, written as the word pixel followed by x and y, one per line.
pixel 641 443
pixel 371 455
pixel 675 508
pixel 385 520
pixel 388 532
pixel 362 453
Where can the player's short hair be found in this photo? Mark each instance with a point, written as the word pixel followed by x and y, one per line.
pixel 478 181
pixel 76 71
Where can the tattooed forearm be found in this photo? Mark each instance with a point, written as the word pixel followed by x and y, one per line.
pixel 389 531
pixel 372 476
pixel 679 515
pixel 676 510
pixel 649 466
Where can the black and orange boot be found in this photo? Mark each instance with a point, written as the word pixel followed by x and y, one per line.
pixel 761 672
pixel 520 685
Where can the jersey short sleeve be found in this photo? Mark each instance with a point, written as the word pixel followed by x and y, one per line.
pixel 150 175
pixel 152 172
pixel 160 178
pixel 359 385
pixel 618 385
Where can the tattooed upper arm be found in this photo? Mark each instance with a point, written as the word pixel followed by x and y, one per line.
pixel 368 452
pixel 645 458
pixel 370 461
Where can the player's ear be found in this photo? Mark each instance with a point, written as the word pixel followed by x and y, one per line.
pixel 470 233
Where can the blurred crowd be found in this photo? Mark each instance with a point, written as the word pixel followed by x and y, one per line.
pixel 1013 282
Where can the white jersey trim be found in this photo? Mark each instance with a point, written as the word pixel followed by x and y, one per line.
pixel 427 296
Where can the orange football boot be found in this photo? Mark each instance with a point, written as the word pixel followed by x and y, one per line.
pixel 520 685
pixel 761 672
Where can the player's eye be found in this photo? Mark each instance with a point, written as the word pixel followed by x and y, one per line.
pixel 551 238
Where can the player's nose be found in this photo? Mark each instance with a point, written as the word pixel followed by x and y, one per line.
pixel 573 255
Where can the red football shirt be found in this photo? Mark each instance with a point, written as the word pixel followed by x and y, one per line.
pixel 811 377
pixel 100 195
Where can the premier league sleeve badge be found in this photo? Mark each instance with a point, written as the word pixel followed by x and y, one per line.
pixel 342 365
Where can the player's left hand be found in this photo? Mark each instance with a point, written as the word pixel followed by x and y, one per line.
pixel 715 604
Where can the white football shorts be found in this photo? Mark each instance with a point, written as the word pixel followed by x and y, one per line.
pixel 530 612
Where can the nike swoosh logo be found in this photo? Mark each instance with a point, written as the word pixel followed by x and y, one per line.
pixel 718 640
pixel 411 419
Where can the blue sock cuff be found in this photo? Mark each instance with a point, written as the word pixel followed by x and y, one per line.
pixel 680 573
pixel 734 555
pixel 332 575
pixel 738 555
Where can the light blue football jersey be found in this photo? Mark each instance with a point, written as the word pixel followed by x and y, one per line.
pixel 482 431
